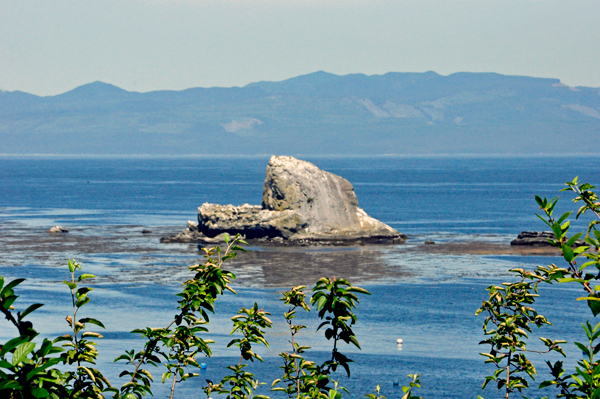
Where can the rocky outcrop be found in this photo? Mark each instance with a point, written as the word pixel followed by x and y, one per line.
pixel 192 235
pixel 301 203
pixel 58 229
pixel 249 220
pixel 538 238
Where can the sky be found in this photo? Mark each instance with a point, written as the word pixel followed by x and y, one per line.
pixel 50 47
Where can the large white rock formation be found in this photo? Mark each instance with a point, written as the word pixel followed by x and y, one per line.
pixel 300 203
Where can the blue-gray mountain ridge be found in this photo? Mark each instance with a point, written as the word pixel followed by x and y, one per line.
pixel 319 113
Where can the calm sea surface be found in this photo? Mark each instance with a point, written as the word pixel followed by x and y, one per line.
pixel 431 309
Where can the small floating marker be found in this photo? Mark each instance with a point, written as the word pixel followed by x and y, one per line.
pixel 399 341
pixel 203 366
pixel 396 382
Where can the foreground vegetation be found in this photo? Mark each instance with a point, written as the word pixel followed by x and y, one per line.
pixel 28 370
pixel 65 367
pixel 511 316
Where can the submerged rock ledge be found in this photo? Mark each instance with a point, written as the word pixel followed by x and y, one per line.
pixel 301 205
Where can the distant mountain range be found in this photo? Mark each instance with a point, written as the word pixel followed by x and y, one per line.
pixel 319 113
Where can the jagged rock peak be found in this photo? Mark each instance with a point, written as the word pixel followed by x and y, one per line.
pixel 301 186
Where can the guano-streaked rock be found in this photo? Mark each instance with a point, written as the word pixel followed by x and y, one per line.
pixel 301 203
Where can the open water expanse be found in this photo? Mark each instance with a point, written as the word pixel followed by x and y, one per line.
pixel 425 297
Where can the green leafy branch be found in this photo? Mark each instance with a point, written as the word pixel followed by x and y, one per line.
pixel 510 316
pixel 179 343
pixel 250 323
pixel 298 373
pixel 335 300
pixel 24 371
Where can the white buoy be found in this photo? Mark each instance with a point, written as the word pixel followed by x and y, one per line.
pixel 399 341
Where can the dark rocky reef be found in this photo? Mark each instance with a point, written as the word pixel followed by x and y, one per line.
pixel 301 204
pixel 538 238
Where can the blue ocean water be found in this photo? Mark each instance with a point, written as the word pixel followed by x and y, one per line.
pixel 446 198
pixel 416 195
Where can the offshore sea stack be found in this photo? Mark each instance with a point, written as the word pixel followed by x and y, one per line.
pixel 301 204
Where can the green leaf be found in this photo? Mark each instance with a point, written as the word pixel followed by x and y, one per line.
pixel 540 202
pixel 588 298
pixel 359 290
pixel 568 253
pixel 563 217
pixel 81 302
pixel 29 310
pixel 583 349
pixel 40 393
pixel 66 337
pixel 557 230
pixel 82 291
pixel 573 239
pixel 229 256
pixel 70 285
pixel 8 301
pixel 321 302
pixel 71 265
pixel 10 286
pixel 5 365
pixel 594 307
pixel 226 238
pixel 551 205
pixel 238 248
pixel 571 280
pixel 21 352
pixel 11 344
pixel 543 220
pixel 92 321
pixel 85 276
pixel 91 334
pixel 488 379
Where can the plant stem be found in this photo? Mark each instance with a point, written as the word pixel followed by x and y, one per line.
pixel 74 321
pixel 174 382
pixel 11 318
pixel 294 352
pixel 508 374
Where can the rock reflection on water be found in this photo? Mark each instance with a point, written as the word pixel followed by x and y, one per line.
pixel 279 267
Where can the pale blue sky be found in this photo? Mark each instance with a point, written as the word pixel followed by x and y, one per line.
pixel 49 47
